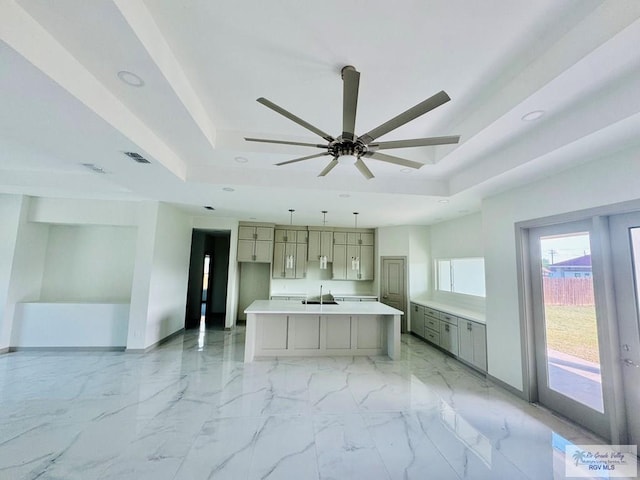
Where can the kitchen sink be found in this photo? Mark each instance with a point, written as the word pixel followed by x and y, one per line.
pixel 318 302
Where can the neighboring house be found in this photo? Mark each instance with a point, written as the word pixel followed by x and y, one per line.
pixel 579 267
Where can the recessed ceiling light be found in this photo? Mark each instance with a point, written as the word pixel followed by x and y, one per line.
pixel 344 195
pixel 406 170
pixel 444 200
pixel 241 159
pixel 229 189
pixel 130 78
pixel 531 116
pixel 463 211
pixel 209 207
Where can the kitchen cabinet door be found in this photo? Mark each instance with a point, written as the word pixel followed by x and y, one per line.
pixel 449 337
pixel 263 251
pixel 340 238
pixel 255 244
pixel 279 253
pixel 417 319
pixel 264 234
pixel 339 268
pixel 338 332
pixel 366 262
pixel 353 258
pixel 320 243
pixel 245 250
pixel 300 260
pixel 473 344
pixel 289 260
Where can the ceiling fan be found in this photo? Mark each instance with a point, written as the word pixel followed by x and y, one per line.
pixel 349 148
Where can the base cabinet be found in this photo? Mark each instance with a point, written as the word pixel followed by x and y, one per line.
pixel 473 343
pixel 449 337
pixel 417 320
pixel 321 335
pixel 463 338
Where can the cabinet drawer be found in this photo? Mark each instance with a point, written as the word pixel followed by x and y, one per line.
pixel 432 336
pixel 431 322
pixel 449 318
pixel 432 312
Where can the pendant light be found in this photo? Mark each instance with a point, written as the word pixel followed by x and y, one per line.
pixel 355 261
pixel 290 260
pixel 323 258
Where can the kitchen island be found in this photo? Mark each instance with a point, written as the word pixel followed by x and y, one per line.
pixel 289 328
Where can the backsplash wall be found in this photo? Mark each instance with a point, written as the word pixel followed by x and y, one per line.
pixel 316 277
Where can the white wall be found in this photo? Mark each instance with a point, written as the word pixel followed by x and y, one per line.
pixel 169 274
pixel 89 263
pixel 603 182
pixel 70 325
pixel 10 210
pixel 419 261
pixel 25 279
pixel 82 212
pixel 457 238
pixel 460 237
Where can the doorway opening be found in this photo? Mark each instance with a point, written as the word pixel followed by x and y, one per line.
pixel 208 274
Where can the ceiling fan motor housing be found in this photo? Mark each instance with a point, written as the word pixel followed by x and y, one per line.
pixel 341 147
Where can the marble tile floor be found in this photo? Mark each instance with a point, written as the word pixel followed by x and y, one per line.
pixel 192 410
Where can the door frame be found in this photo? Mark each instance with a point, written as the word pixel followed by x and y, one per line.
pixel 605 307
pixel 405 302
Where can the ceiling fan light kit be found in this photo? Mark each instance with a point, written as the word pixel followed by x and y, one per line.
pixel 350 149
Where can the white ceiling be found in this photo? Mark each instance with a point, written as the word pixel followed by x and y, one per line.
pixel 205 63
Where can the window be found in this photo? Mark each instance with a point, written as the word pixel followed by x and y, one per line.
pixel 461 275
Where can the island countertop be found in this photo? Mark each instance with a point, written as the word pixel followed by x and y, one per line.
pixel 343 308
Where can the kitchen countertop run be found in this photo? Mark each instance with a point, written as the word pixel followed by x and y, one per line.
pixel 453 310
pixel 346 308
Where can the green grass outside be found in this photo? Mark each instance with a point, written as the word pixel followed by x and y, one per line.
pixel 572 330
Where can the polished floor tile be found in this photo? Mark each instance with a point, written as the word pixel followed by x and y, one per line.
pixel 191 409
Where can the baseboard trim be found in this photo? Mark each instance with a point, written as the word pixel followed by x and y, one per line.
pixel 162 341
pixel 66 349
pixel 4 350
pixel 512 390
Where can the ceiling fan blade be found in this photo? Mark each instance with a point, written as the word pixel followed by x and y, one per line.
pixel 415 142
pixel 329 167
pixel 302 158
pixel 383 157
pixel 351 80
pixel 363 169
pixel 405 117
pixel 283 142
pixel 292 117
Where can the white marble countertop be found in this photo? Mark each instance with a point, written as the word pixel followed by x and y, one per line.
pixel 453 310
pixel 346 308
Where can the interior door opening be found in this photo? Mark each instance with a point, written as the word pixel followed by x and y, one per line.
pixel 208 274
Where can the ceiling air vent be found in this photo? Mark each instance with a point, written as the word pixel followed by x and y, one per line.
pixel 137 157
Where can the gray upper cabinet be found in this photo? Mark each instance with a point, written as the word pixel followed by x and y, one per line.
pixel 353 255
pixel 320 244
pixel 255 243
pixel 290 253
